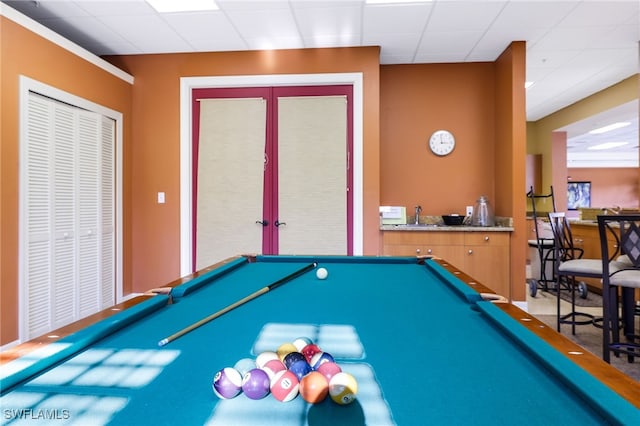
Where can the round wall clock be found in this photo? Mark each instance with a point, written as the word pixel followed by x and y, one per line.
pixel 442 142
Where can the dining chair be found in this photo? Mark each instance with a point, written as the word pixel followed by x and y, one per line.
pixel 569 265
pixel 621 276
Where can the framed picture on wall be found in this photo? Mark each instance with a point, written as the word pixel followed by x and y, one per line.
pixel 578 195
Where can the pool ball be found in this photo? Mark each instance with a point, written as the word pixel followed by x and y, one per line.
pixel 314 387
pixel 300 368
pixel 273 366
pixel 301 342
pixel 343 388
pixel 320 358
pixel 285 349
pixel 227 383
pixel 265 356
pixel 256 384
pixel 244 365
pixel 322 273
pixel 284 386
pixel 329 369
pixel 293 357
pixel 309 351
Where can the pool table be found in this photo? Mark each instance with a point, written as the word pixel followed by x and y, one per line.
pixel 426 343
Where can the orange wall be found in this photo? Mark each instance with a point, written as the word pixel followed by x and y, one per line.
pixel 483 105
pixel 415 101
pixel 402 106
pixel 155 155
pixel 610 187
pixel 25 53
pixel 511 147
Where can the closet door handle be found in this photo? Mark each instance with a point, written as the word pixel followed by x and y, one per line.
pixel 263 222
pixel 278 223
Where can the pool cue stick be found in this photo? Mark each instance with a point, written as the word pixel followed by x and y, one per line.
pixel 240 302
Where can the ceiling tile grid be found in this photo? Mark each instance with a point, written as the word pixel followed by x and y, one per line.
pixel 574 47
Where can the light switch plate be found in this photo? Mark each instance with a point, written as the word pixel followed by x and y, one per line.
pixel 160 197
pixel 469 210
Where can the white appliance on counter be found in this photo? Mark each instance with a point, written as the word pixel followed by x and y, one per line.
pixel 393 215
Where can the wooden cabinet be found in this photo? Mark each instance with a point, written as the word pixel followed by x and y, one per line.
pixel 482 255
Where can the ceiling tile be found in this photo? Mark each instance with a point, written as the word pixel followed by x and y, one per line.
pixel 381 20
pixel 148 32
pixel 464 16
pixel 319 22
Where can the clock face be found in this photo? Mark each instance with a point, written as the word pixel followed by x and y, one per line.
pixel 442 142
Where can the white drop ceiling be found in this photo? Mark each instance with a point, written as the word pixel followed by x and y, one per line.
pixel 574 47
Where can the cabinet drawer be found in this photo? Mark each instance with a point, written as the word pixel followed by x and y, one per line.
pixel 423 238
pixel 486 238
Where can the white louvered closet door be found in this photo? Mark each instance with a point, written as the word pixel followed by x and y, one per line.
pixel 312 175
pixel 68 205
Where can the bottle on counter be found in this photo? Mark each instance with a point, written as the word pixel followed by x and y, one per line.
pixel 482 213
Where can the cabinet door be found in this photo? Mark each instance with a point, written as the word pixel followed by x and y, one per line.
pixel 446 245
pixel 487 260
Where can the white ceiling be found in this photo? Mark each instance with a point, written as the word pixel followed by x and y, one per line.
pixel 574 48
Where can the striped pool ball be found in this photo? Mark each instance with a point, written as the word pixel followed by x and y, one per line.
pixel 343 388
pixel 301 342
pixel 227 383
pixel 272 367
pixel 320 358
pixel 265 356
pixel 284 386
pixel 329 369
pixel 256 384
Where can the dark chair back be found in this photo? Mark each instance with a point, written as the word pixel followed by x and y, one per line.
pixel 621 270
pixel 625 230
pixel 565 250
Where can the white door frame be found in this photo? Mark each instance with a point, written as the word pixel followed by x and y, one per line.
pixel 27 85
pixel 187 84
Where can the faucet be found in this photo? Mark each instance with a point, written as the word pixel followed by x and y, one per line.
pixel 418 211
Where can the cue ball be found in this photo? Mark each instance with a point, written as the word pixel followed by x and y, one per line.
pixel 256 384
pixel 227 383
pixel 343 388
pixel 284 386
pixel 314 387
pixel 322 273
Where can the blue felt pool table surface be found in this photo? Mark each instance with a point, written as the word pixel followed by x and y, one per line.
pixel 423 345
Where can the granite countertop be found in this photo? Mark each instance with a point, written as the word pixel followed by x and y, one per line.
pixel 583 222
pixel 434 223
pixel 461 228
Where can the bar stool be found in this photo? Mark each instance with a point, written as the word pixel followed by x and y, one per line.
pixel 569 265
pixel 620 276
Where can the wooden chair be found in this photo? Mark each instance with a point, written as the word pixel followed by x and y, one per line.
pixel 569 264
pixel 621 275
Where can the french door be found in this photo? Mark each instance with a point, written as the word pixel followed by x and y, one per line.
pixel 271 171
